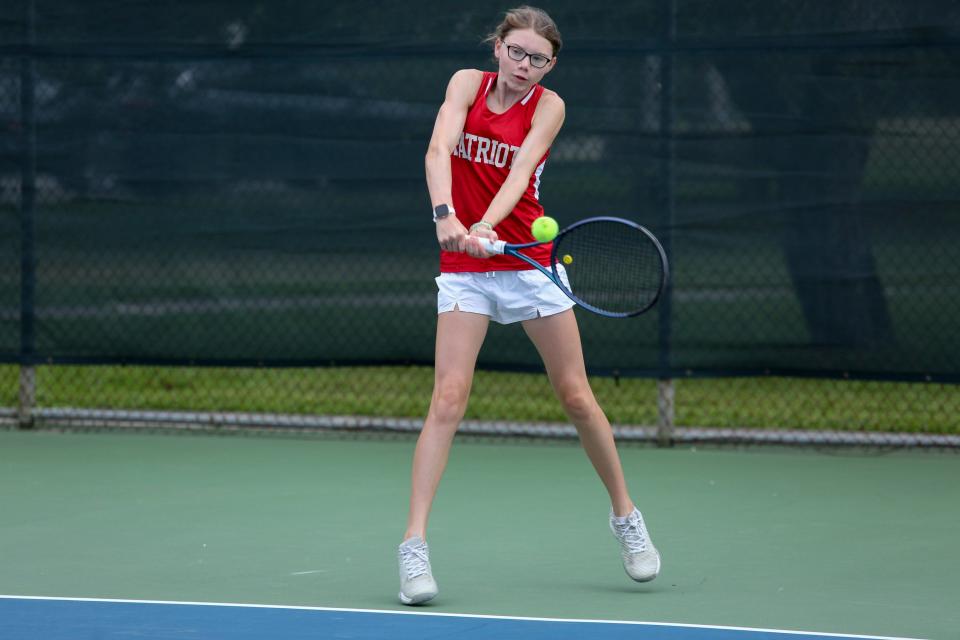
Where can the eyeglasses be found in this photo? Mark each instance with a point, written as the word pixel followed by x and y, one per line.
pixel 537 60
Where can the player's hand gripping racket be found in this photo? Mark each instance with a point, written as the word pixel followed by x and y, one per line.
pixel 614 266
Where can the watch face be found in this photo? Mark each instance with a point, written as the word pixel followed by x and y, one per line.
pixel 441 211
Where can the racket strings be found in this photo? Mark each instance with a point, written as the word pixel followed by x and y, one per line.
pixel 612 266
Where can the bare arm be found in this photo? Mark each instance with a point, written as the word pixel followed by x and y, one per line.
pixel 462 88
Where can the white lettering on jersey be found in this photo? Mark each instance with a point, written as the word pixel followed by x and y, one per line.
pixel 483 147
pixel 470 140
pixel 500 155
pixel 494 152
pixel 513 154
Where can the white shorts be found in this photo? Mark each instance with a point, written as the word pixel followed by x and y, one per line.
pixel 505 296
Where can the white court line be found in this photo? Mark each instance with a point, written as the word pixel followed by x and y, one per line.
pixel 452 615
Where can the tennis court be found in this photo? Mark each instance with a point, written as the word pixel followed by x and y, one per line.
pixel 303 531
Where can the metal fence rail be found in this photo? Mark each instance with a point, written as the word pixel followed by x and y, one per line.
pixel 208 422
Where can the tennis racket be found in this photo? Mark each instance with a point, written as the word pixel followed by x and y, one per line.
pixel 613 267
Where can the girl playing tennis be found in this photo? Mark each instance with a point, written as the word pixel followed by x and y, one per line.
pixel 486 156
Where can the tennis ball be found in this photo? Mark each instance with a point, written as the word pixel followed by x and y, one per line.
pixel 544 229
pixel 567 259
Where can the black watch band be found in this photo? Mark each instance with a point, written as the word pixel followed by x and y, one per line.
pixel 441 211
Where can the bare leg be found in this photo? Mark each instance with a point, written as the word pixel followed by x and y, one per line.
pixel 459 338
pixel 557 338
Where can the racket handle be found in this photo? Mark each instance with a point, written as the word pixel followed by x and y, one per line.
pixel 492 247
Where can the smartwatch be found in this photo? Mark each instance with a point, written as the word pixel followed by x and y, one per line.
pixel 441 211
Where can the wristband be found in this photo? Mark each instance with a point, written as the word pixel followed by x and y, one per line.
pixel 484 223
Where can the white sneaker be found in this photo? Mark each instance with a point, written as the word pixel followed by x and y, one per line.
pixel 641 560
pixel 416 580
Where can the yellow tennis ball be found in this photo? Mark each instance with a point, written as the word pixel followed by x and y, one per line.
pixel 544 229
pixel 567 259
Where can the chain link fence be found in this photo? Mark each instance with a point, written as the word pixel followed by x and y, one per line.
pixel 217 221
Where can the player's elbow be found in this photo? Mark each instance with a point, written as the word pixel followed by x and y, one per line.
pixel 436 151
pixel 434 156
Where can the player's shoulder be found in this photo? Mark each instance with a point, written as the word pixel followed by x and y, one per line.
pixel 467 80
pixel 468 75
pixel 551 100
pixel 550 107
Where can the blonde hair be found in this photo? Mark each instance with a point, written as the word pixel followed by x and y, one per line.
pixel 527 17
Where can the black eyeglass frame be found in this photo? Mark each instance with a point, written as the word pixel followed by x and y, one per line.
pixel 525 54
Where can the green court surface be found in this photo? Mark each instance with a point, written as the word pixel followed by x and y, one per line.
pixel 834 542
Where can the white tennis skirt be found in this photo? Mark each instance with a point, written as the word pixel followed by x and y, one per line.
pixel 505 296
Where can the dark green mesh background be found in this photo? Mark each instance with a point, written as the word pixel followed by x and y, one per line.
pixel 242 182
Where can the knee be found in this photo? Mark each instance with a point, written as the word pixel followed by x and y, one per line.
pixel 578 401
pixel 450 399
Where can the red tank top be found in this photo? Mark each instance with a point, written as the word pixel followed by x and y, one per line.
pixel 479 166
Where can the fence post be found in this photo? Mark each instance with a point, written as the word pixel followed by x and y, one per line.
pixel 665 412
pixel 28 197
pixel 667 169
pixel 28 396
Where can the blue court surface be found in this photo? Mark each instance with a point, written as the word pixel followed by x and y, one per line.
pixel 32 618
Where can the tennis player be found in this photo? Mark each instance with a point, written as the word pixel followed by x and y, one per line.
pixel 484 163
